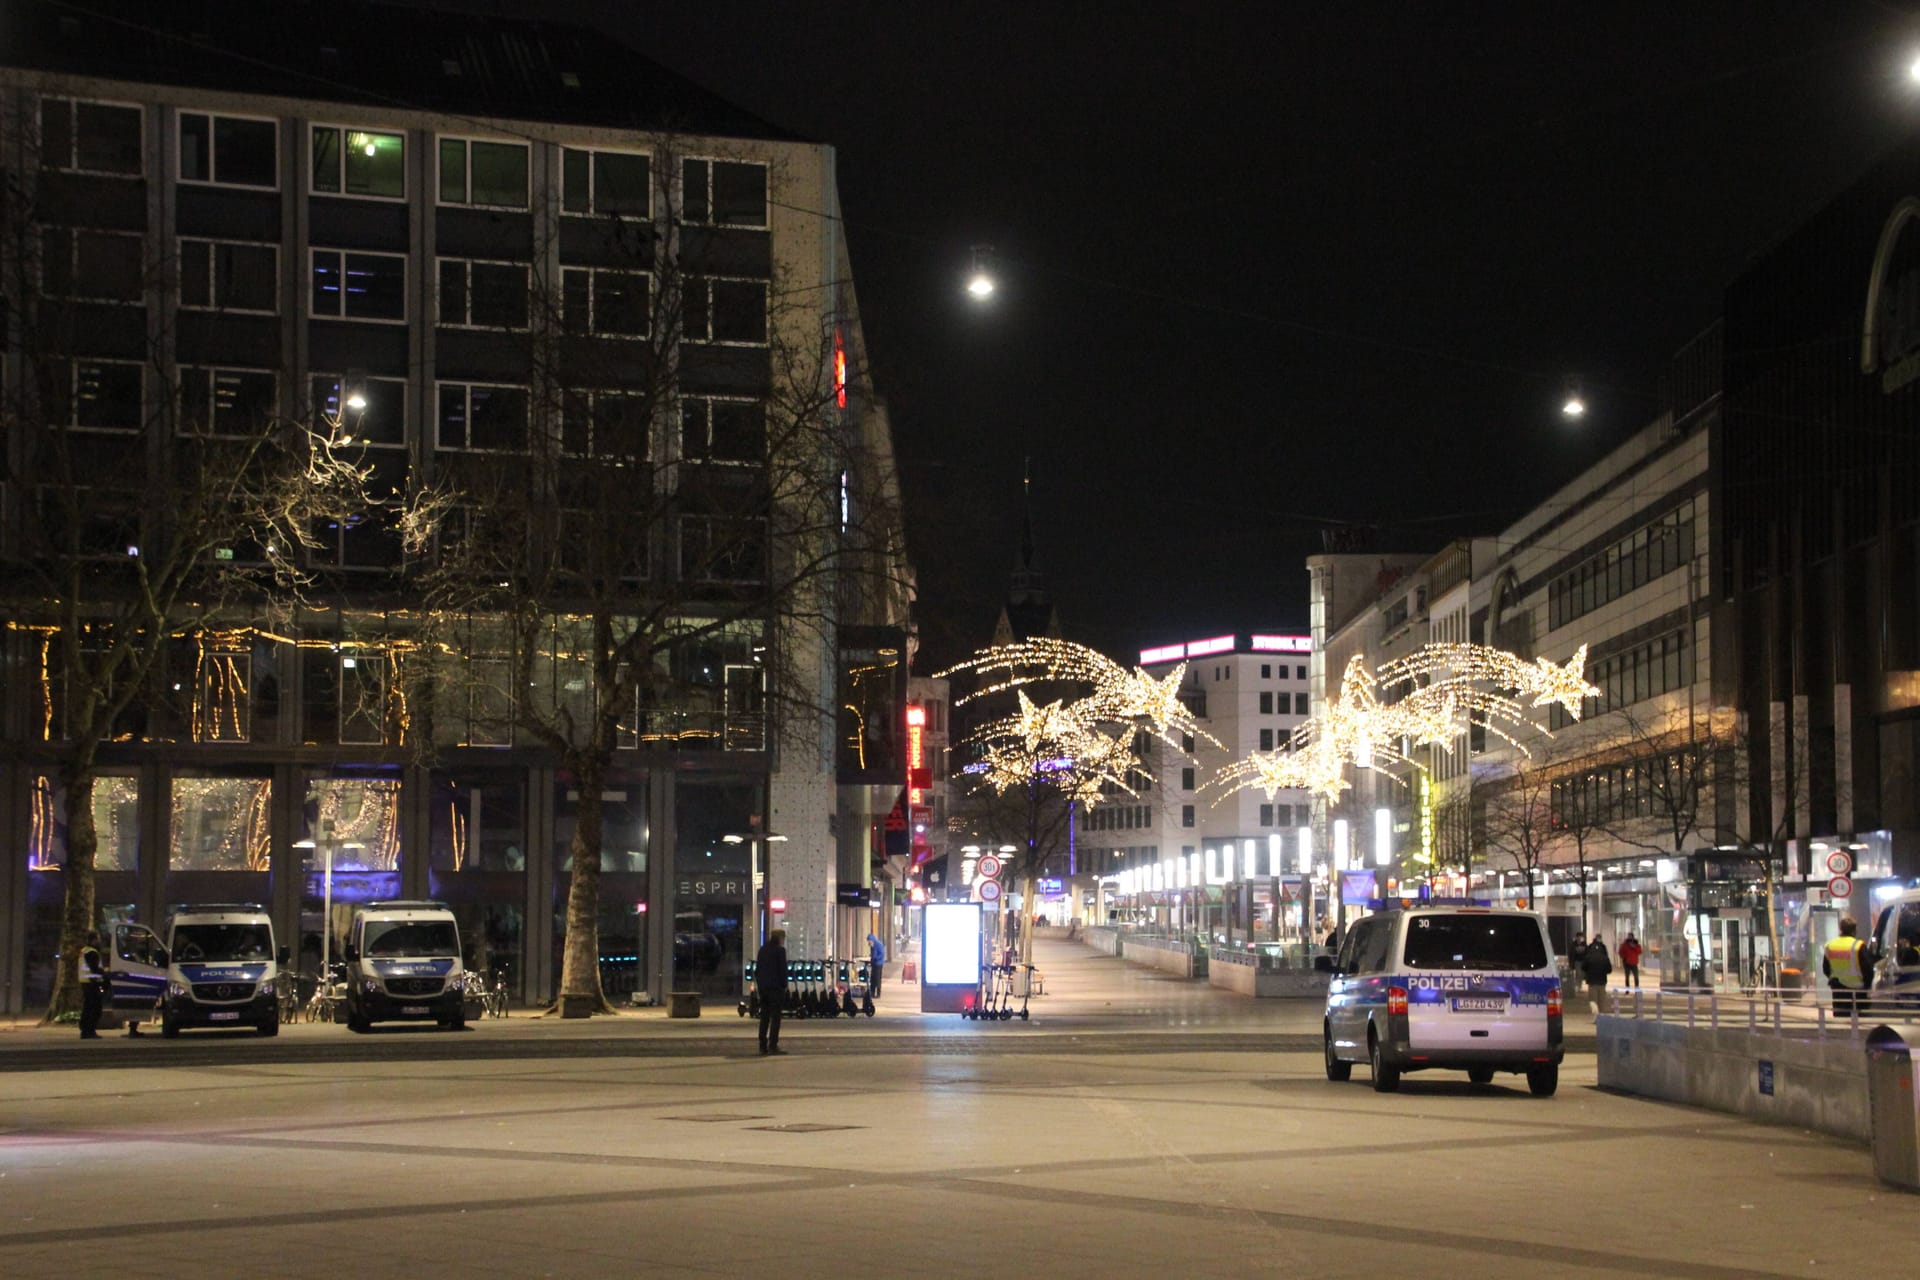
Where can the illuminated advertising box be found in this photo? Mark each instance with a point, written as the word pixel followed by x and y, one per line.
pixel 950 938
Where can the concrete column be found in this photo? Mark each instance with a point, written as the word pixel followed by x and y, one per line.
pixel 156 821
pixel 662 839
pixel 415 794
pixel 541 863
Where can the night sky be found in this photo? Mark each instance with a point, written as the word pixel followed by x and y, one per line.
pixel 1271 268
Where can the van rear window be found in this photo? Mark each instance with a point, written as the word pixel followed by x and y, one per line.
pixel 1474 942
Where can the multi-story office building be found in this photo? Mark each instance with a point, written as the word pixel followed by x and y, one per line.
pixel 1248 693
pixel 392 220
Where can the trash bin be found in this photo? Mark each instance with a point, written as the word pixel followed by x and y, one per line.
pixel 683 1004
pixel 1893 1118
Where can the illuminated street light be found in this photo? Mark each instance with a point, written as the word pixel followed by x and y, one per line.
pixel 980 284
pixel 1575 404
pixel 1913 70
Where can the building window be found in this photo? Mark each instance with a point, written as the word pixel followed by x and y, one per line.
pixel 1266 671
pixel 720 430
pixel 606 424
pixel 98 266
pixel 97 395
pixel 229 151
pixel 384 419
pixel 1299 673
pixel 719 310
pixel 357 162
pixel 1300 704
pixel 611 304
pixel 482 416
pixel 1266 703
pixel 1186 743
pixel 359 286
pixel 611 183
pixel 227 402
pixel 1266 815
pixel 224 275
pixel 1186 815
pixel 1266 739
pixel 483 295
pixel 90 137
pixel 1186 779
pixel 722 549
pixel 487 174
pixel 724 193
pixel 223 703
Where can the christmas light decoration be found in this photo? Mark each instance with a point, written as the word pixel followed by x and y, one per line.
pixel 1427 698
pixel 1116 694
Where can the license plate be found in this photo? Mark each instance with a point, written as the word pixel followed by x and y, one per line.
pixel 1479 1004
pixel 414 1008
pixel 223 1017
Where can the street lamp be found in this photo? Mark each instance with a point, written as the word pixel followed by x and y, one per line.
pixel 980 283
pixel 756 880
pixel 325 846
pixel 1575 403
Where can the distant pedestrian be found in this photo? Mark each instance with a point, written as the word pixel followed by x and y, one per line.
pixel 876 961
pixel 1576 952
pixel 1595 965
pixel 1845 963
pixel 93 987
pixel 770 979
pixel 1630 953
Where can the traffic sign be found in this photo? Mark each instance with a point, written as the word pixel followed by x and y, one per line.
pixel 989 891
pixel 988 868
pixel 1839 863
pixel 1839 887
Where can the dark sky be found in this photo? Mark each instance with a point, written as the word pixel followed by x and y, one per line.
pixel 1271 267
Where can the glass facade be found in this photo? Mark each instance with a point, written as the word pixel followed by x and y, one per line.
pixel 476 850
pixel 624 831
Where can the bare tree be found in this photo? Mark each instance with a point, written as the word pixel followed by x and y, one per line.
pixel 1515 822
pixel 631 557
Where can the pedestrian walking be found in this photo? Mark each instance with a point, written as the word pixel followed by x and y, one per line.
pixel 1630 952
pixel 770 979
pixel 876 960
pixel 1845 963
pixel 93 987
pixel 1595 965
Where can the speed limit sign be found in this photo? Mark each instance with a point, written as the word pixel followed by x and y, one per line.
pixel 1839 887
pixel 989 891
pixel 1839 863
pixel 989 867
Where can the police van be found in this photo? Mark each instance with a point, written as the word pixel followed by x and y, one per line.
pixel 1893 952
pixel 211 965
pixel 1463 988
pixel 403 963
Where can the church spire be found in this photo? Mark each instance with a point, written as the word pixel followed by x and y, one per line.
pixel 1029 608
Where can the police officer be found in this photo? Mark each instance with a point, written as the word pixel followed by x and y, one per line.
pixel 770 976
pixel 1845 964
pixel 93 987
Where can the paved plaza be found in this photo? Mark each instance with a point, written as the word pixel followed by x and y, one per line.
pixel 1141 1127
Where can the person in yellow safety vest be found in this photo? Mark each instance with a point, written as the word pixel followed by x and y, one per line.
pixel 1845 964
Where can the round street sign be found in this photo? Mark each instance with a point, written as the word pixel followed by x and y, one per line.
pixel 1839 862
pixel 989 891
pixel 1840 887
pixel 988 868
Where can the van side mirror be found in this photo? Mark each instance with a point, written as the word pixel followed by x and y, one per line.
pixel 282 957
pixel 352 953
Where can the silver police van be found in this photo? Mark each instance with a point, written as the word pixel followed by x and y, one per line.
pixel 1465 988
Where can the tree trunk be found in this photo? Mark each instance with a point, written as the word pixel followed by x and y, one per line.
pixel 77 912
pixel 580 962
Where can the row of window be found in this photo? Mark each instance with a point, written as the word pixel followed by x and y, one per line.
pixel 1656 786
pixel 109 395
pixel 1125 817
pixel 1281 704
pixel 244 151
pixel 1647 670
pixel 1649 552
pixel 222 275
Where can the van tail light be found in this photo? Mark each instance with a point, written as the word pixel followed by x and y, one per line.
pixel 1396 1002
pixel 1553 1003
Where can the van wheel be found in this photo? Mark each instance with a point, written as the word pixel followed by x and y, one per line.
pixel 356 1022
pixel 458 1022
pixel 1386 1079
pixel 1337 1071
pixel 1480 1075
pixel 169 1025
pixel 1543 1078
pixel 271 1027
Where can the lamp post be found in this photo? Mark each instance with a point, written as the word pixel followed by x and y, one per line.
pixel 756 880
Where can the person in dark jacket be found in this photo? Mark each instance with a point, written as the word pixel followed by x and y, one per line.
pixel 770 978
pixel 1595 965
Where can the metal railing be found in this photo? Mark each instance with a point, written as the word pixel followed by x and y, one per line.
pixel 1782 1011
pixel 1268 957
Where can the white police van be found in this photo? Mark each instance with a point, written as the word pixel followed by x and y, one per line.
pixel 1894 953
pixel 403 963
pixel 1466 988
pixel 212 965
